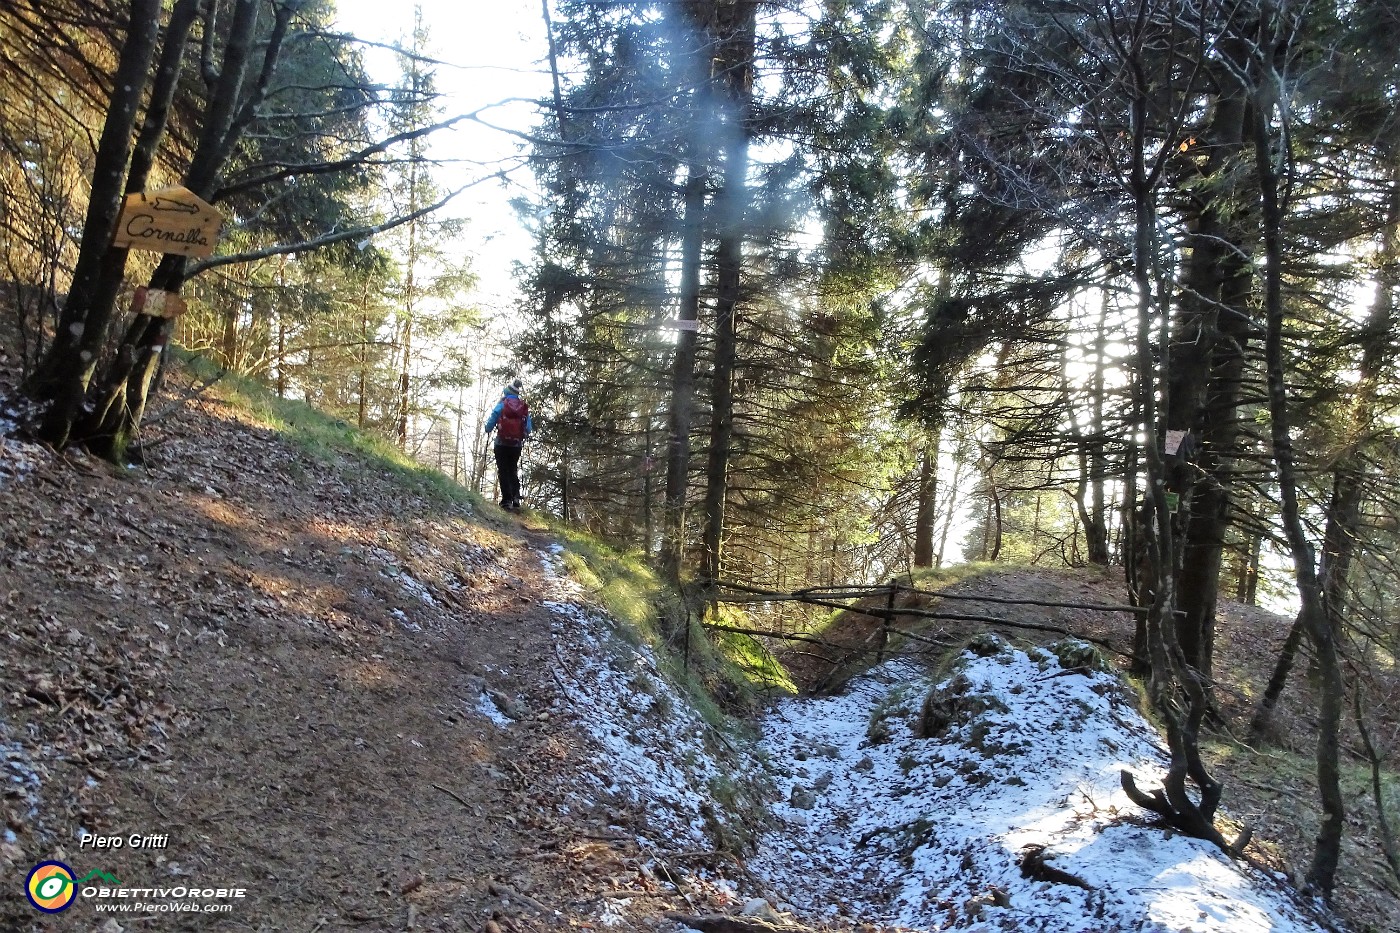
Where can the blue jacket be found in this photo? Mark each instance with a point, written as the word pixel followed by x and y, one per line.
pixel 496 414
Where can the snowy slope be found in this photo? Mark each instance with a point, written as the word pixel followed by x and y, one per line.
pixel 873 826
pixel 929 833
pixel 648 745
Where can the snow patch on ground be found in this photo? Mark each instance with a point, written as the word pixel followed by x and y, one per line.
pixel 417 589
pixel 392 569
pixel 17 458
pixel 928 833
pixel 647 744
pixel 488 708
pixel 21 781
pixel 20 777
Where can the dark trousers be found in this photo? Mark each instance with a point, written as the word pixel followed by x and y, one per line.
pixel 508 469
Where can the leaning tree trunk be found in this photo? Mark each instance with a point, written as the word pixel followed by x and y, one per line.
pixel 1350 473
pixel 1313 615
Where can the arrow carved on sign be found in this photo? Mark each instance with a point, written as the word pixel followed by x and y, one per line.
pixel 165 204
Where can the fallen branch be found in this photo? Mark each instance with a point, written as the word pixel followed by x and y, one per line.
pixel 1050 604
pixel 887 614
pixel 455 797
pixel 1009 623
pixel 860 592
pixel 926 614
pixel 1035 865
pixel 758 633
pixel 914 636
pixel 506 892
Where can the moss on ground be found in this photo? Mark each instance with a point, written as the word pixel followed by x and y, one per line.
pixel 719 672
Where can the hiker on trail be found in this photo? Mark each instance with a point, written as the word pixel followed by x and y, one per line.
pixel 511 421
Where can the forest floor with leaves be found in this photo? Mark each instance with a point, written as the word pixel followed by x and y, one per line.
pixel 312 682
pixel 374 709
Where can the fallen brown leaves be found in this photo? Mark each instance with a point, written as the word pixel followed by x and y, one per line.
pixel 279 661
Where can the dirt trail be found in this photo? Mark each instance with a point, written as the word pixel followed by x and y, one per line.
pixel 314 685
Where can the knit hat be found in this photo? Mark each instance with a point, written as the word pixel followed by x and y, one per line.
pixel 516 385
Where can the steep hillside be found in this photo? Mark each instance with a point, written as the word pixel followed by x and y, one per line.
pixel 276 660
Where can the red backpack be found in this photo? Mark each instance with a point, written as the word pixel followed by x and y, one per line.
pixel 510 430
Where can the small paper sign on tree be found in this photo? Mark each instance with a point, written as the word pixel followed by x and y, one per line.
pixel 169 220
pixel 157 303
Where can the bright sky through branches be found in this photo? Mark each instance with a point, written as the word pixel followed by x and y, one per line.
pixel 494 56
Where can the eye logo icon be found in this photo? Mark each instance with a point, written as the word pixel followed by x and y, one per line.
pixel 50 887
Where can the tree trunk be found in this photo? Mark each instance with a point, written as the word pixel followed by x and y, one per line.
pixel 1251 590
pixel 565 486
pixel 405 393
pixel 124 388
pixel 362 406
pixel 228 337
pixel 1247 575
pixel 728 262
pixel 282 356
pixel 1349 473
pixel 950 514
pixel 1207 366
pixel 1178 690
pixel 457 438
pixel 927 514
pixel 1096 527
pixel 648 482
pixel 993 548
pixel 1313 615
pixel 680 414
pixel 733 26
pixel 405 341
pixel 1262 720
pixel 62 377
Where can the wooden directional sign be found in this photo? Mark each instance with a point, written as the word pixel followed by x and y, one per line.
pixel 169 220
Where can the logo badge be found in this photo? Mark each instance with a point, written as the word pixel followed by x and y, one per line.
pixel 50 887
